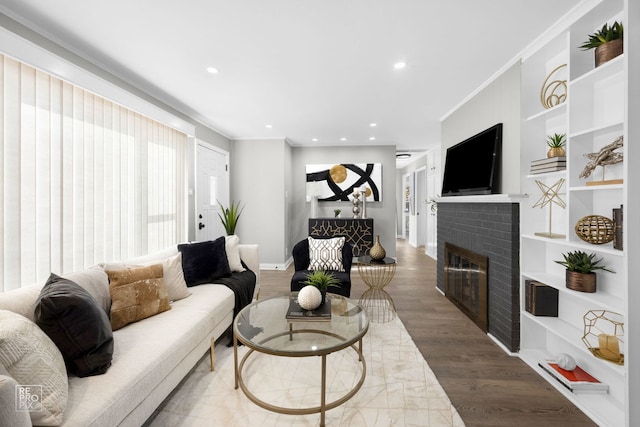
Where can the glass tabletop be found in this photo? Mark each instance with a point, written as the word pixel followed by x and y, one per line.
pixel 263 325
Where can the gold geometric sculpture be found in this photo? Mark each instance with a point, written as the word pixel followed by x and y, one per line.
pixel 555 92
pixel 603 335
pixel 604 157
pixel 550 195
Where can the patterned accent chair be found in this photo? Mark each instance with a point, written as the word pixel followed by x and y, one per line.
pixel 323 255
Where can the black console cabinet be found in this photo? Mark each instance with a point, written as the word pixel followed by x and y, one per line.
pixel 358 232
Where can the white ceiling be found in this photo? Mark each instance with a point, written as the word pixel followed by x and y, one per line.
pixel 309 68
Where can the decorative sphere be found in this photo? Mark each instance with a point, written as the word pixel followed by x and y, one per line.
pixel 566 362
pixel 309 297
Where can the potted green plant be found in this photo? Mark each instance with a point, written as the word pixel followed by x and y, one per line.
pixel 322 280
pixel 556 143
pixel 607 42
pixel 336 213
pixel 230 216
pixel 580 273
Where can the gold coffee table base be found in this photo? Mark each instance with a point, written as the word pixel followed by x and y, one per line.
pixel 324 406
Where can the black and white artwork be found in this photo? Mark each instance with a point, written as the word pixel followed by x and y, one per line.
pixel 336 182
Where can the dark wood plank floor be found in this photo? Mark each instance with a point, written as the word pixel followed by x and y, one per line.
pixel 487 386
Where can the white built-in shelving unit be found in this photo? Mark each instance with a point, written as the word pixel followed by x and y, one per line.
pixel 592 116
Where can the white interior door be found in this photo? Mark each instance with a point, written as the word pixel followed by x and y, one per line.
pixel 212 185
pixel 421 206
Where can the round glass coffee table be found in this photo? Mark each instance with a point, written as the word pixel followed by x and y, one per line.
pixel 263 327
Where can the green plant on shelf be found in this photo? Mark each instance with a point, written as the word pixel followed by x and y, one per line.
pixel 581 262
pixel 606 34
pixel 557 140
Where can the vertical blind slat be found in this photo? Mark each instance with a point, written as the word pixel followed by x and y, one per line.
pixel 83 180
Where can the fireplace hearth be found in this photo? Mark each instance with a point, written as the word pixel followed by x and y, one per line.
pixel 465 282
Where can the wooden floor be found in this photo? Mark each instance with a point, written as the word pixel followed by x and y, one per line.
pixel 487 386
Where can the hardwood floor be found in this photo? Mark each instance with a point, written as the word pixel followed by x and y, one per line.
pixel 487 386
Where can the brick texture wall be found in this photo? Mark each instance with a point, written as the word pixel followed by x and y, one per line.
pixel 491 230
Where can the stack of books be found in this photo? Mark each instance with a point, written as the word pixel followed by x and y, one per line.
pixel 295 312
pixel 577 381
pixel 550 164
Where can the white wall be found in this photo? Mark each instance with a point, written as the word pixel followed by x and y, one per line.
pixel 499 102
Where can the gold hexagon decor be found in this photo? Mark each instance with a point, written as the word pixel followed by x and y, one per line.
pixel 603 335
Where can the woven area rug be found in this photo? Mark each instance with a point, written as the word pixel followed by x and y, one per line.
pixel 399 390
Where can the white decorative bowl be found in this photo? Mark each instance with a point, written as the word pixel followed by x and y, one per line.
pixel 309 297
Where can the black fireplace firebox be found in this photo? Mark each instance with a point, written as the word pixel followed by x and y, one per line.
pixel 465 282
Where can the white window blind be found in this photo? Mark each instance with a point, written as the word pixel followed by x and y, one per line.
pixel 84 180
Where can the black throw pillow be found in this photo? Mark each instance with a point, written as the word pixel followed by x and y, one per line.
pixel 204 262
pixel 78 326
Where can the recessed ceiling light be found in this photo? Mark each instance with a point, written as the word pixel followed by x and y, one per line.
pixel 212 70
pixel 343 139
pixel 373 138
pixel 373 125
pixel 314 139
pixel 400 65
pixel 268 126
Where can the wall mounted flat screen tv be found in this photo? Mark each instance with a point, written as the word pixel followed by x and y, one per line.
pixel 473 166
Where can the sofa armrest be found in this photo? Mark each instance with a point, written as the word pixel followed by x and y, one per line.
pixel 249 253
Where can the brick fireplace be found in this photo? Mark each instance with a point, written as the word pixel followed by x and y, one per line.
pixel 488 230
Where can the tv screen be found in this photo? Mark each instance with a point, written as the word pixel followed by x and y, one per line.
pixel 473 166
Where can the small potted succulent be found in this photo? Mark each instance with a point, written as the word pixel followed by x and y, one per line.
pixel 556 143
pixel 607 42
pixel 580 273
pixel 322 280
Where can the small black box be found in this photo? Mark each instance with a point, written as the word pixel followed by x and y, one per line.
pixel 540 299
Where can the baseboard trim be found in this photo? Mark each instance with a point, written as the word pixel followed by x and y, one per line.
pixel 503 347
pixel 274 266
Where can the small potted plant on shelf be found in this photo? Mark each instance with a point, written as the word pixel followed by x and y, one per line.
pixel 580 273
pixel 607 42
pixel 336 213
pixel 322 280
pixel 556 143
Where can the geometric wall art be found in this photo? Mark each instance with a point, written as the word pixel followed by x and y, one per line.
pixel 335 182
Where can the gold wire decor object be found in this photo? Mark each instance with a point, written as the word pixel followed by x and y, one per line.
pixel 553 92
pixel 603 335
pixel 596 229
pixel 550 195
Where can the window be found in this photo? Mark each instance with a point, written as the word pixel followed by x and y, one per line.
pixel 84 180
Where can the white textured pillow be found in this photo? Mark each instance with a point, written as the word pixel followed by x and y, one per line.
pixel 31 358
pixel 233 253
pixel 174 278
pixel 326 254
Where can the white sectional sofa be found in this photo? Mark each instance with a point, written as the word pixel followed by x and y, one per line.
pixel 150 356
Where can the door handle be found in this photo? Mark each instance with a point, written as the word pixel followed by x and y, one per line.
pixel 200 226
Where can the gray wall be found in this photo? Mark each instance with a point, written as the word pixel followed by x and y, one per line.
pixel 383 213
pixel 258 176
pixel 499 102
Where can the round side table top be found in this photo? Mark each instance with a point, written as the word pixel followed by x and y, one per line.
pixel 366 259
